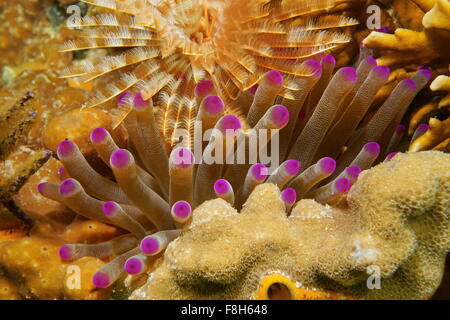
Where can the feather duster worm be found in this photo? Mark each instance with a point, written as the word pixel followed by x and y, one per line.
pixel 170 46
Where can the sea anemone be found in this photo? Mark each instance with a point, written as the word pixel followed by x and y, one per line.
pixel 155 191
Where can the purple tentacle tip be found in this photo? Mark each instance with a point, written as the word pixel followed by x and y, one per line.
pixel 203 88
pixel 400 129
pixel 67 187
pixel 410 84
pixel 342 185
pixel 230 124
pixel 65 252
pixel 221 186
pixel 274 78
pixel 315 66
pixel 349 73
pixel 372 61
pixel 65 149
pixel 41 187
pixel 133 266
pixel 383 71
pixel 100 280
pixel 292 167
pixel 149 245
pixel 373 148
pixel 183 158
pixel 120 159
pixel 422 128
pixel 182 209
pixel 139 102
pixel 329 59
pixel 385 29
pixel 426 73
pixel 124 98
pixel 259 171
pixel 289 195
pixel 391 155
pixel 213 105
pixel 109 208
pixel 328 165
pixel 253 89
pixel 353 172
pixel 280 115
pixel 98 135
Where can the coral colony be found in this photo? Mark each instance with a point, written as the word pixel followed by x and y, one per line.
pixel 254 165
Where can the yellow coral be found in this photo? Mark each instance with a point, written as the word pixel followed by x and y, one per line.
pixel 442 83
pixel 439 131
pixel 418 47
pixel 394 223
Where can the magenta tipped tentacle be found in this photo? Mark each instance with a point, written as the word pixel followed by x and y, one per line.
pixel 213 105
pixel 331 193
pixel 120 159
pixel 216 154
pixel 329 59
pixel 181 212
pixel 65 253
pixel 112 271
pixel 390 156
pixel 352 173
pixel 313 176
pixel 50 191
pixel 105 146
pixel 101 280
pixel 70 252
pixel 364 159
pixel 420 131
pixel 296 108
pixel 285 173
pixel 256 175
pixel 229 125
pixel 119 217
pixel 137 264
pixel 253 89
pixel 224 190
pixel 268 89
pixel 181 165
pixel 79 169
pixel 146 138
pixel 139 102
pixel 327 165
pixel 354 113
pixel 307 144
pixel 99 135
pixel 149 202
pixel 157 242
pixel 289 197
pixel 203 89
pixel 279 115
pixel 259 172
